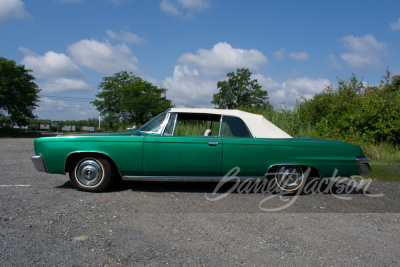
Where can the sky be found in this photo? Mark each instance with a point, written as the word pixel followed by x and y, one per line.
pixel 293 48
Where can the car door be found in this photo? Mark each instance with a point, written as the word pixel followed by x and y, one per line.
pixel 250 155
pixel 182 156
pixel 240 149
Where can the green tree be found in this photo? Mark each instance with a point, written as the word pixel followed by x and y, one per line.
pixel 130 99
pixel 390 84
pixel 240 91
pixel 334 112
pixel 354 112
pixel 18 92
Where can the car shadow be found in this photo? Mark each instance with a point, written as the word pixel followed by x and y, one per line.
pixel 66 185
pixel 348 186
pixel 312 186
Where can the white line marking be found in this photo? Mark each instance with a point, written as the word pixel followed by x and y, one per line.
pixel 14 185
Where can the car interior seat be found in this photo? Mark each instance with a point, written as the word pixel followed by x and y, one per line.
pixel 206 132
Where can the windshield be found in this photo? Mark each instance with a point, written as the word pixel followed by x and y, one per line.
pixel 155 125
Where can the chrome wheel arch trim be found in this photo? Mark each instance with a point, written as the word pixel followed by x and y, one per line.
pixel 90 152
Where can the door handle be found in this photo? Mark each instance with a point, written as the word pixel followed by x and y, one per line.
pixel 213 143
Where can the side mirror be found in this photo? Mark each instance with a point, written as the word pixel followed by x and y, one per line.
pixel 132 129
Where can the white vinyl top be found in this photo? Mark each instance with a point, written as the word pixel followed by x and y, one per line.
pixel 259 126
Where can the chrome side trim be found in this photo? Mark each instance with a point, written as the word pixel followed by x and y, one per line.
pixel 220 125
pixel 184 178
pixel 165 122
pixel 38 161
pixel 363 165
pixel 176 118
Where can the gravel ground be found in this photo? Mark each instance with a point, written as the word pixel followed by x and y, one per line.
pixel 44 221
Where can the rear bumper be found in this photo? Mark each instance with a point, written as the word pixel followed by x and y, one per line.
pixel 363 166
pixel 38 161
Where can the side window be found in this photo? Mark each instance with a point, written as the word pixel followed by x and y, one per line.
pixel 195 124
pixel 169 129
pixel 234 127
pixel 155 125
pixel 225 130
pixel 214 127
pixel 195 128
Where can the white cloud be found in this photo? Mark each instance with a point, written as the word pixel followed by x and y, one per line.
pixel 184 7
pixel 299 55
pixel 223 58
pixel 306 85
pixel 55 72
pixel 12 9
pixel 103 57
pixel 395 25
pixel 291 90
pixel 127 37
pixel 363 51
pixel 64 85
pixel 167 7
pixel 280 54
pixel 195 77
pixel 267 83
pixel 188 87
pixel 61 110
pixel 50 65
pixel 198 5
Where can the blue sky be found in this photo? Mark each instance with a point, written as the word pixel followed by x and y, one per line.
pixel 293 48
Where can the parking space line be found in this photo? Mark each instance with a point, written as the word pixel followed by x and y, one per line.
pixel 14 185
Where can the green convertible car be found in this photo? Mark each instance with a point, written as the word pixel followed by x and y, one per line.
pixel 194 144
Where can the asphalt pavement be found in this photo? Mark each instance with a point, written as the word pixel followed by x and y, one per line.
pixel 44 221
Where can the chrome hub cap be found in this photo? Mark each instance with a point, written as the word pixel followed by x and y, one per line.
pixel 289 177
pixel 89 173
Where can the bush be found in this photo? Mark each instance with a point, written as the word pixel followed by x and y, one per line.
pixel 354 112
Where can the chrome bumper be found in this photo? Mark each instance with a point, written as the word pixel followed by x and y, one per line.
pixel 38 161
pixel 363 166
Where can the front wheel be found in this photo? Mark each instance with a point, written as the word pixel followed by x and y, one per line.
pixel 289 178
pixel 92 174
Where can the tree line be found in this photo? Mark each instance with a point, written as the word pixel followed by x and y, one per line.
pixel 351 111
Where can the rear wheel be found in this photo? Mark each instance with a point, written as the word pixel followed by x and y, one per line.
pixel 289 178
pixel 94 174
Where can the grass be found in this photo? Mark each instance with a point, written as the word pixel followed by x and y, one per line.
pixel 383 153
pixel 385 160
pixel 384 172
